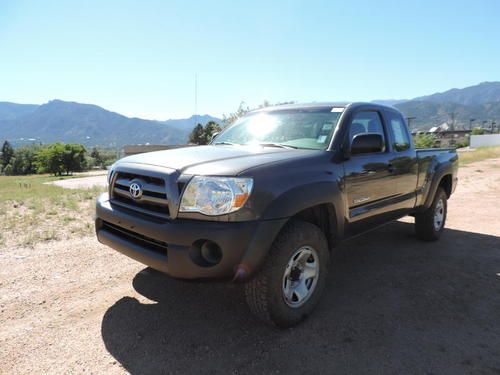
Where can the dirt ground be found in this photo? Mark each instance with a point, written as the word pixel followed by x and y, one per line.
pixel 394 305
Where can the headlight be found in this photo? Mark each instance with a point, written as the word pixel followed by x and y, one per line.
pixel 215 195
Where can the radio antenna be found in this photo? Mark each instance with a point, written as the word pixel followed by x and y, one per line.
pixel 195 99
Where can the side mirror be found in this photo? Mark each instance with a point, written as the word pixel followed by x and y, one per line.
pixel 214 135
pixel 367 143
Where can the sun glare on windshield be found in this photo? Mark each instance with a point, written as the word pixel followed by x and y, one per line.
pixel 310 128
pixel 261 125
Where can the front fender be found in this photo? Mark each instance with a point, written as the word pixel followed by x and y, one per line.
pixel 299 198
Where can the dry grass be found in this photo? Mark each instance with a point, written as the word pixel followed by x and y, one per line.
pixel 32 212
pixel 479 154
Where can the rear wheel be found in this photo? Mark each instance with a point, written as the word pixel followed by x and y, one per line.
pixel 289 286
pixel 430 224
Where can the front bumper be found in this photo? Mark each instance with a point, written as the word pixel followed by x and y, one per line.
pixel 168 245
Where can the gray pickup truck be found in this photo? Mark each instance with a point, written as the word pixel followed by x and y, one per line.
pixel 269 198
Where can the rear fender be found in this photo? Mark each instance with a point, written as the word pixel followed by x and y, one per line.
pixel 436 173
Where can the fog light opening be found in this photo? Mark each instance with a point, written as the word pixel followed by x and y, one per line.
pixel 205 253
pixel 211 253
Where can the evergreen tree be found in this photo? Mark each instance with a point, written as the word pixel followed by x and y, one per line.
pixel 7 154
pixel 197 136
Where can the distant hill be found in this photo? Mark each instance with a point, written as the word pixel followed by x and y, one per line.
pixel 480 102
pixel 428 114
pixel 485 92
pixel 9 111
pixel 92 125
pixel 191 121
pixel 390 102
pixel 87 124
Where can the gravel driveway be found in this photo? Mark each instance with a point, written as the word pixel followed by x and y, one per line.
pixel 394 305
pixel 95 179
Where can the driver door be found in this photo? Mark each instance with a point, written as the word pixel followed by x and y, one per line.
pixel 369 184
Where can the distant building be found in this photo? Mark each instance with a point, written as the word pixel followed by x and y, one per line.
pixel 441 128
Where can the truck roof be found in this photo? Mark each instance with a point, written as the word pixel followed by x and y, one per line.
pixel 320 105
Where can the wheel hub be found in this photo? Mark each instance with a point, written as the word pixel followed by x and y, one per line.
pixel 439 215
pixel 295 274
pixel 300 276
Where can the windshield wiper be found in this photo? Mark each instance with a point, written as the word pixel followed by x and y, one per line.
pixel 280 145
pixel 226 143
pixel 263 144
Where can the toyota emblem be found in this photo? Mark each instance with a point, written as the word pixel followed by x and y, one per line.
pixel 135 190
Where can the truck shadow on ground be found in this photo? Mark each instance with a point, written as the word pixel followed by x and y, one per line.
pixel 393 305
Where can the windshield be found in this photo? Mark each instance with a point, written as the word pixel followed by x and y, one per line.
pixel 310 128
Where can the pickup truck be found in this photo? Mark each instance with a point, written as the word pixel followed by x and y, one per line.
pixel 271 196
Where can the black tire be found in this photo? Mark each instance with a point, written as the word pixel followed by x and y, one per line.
pixel 264 293
pixel 425 227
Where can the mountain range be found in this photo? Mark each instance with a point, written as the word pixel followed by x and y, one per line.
pixel 88 124
pixel 91 125
pixel 458 106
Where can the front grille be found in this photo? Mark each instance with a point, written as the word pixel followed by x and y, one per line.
pixel 154 200
pixel 138 239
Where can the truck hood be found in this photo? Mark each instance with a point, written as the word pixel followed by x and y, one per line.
pixel 221 160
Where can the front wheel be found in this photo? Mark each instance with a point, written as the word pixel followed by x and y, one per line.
pixel 289 286
pixel 430 224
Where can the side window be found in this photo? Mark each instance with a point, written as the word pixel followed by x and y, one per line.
pixel 366 122
pixel 397 126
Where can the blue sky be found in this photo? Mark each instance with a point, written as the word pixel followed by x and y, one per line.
pixel 139 58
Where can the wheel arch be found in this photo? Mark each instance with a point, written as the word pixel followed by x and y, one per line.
pixel 318 203
pixel 324 217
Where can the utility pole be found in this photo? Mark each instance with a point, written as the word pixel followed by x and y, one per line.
pixel 452 120
pixel 470 123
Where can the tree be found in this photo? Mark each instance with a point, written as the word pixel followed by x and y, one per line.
pixel 477 131
pixel 424 140
pixel 23 161
pixel 203 135
pixel 7 154
pixel 73 158
pixel 50 159
pixel 8 169
pixel 197 136
pixel 210 129
pixel 243 108
pixel 96 155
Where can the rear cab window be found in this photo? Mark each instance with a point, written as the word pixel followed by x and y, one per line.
pixel 399 132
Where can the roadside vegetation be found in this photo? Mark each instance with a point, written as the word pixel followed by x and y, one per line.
pixel 479 154
pixel 32 211
pixel 54 158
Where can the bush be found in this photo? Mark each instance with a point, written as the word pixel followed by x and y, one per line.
pixel 422 140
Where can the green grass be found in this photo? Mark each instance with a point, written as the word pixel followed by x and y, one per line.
pixel 479 154
pixel 32 211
